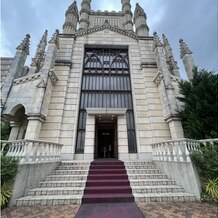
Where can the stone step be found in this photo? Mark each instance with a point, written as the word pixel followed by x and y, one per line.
pixel 147 176
pixel 56 191
pixel 73 167
pixel 128 167
pixel 62 184
pixel 66 177
pixel 49 200
pixel 143 171
pixel 70 172
pixel 74 163
pixel 151 182
pixel 136 163
pixel 157 189
pixel 164 197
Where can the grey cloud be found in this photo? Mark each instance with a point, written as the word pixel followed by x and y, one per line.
pixel 193 20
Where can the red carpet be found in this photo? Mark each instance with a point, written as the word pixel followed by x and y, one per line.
pixel 109 210
pixel 107 182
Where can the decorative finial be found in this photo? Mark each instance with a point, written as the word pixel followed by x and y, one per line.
pixel 157 42
pixel 24 45
pixel 139 12
pixel 165 40
pixel 55 38
pixel 184 49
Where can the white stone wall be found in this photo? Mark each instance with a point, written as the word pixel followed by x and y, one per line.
pixel 61 123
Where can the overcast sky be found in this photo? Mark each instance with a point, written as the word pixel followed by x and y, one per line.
pixel 196 21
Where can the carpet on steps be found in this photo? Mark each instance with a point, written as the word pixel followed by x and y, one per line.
pixel 107 182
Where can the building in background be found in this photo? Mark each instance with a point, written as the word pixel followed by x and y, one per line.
pixel 103 88
pixel 5 67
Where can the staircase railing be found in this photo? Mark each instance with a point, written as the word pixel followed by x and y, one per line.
pixel 178 150
pixel 32 151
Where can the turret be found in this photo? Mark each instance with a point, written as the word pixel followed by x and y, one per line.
pixel 140 21
pixel 84 15
pixel 37 61
pixel 172 64
pixel 126 9
pixel 186 56
pixel 71 19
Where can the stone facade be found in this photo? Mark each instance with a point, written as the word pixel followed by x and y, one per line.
pixel 44 104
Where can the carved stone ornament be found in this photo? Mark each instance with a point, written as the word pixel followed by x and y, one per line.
pixel 157 42
pixel 41 84
pixel 158 78
pixel 52 76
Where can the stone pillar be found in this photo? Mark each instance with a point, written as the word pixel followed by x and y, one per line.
pixel 33 127
pixel 126 9
pixel 176 129
pixel 123 151
pixel 14 130
pixel 187 59
pixel 89 138
pixel 166 90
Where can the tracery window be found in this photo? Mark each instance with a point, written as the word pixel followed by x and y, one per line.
pixel 106 84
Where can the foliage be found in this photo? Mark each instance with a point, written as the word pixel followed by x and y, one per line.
pixel 211 187
pixel 6 191
pixel 200 99
pixel 9 167
pixel 206 160
pixel 5 131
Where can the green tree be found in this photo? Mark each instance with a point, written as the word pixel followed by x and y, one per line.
pixel 5 131
pixel 199 114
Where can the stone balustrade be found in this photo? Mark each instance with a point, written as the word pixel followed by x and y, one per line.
pixel 32 151
pixel 178 150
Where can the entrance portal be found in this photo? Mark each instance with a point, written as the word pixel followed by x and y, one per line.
pixel 105 146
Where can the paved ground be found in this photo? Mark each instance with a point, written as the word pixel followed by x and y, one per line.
pixel 153 210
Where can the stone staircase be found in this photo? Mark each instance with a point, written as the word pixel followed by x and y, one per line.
pixel 66 185
pixel 150 185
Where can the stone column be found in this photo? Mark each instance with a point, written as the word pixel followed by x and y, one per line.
pixel 123 151
pixel 89 138
pixel 33 127
pixel 14 130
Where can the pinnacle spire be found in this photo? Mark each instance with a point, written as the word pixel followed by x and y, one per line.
pixel 172 64
pixel 140 20
pixel 39 56
pixel 25 44
pixel 184 49
pixel 71 19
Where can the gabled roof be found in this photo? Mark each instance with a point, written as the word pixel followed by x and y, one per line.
pixel 107 26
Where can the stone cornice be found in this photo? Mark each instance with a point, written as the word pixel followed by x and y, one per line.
pixel 106 13
pixel 60 62
pixel 107 26
pixel 148 65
